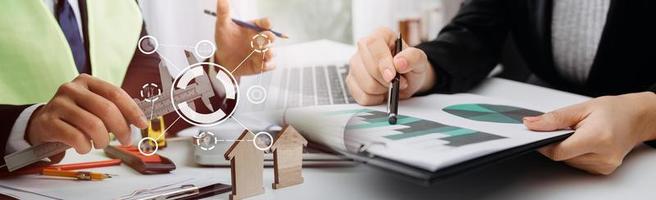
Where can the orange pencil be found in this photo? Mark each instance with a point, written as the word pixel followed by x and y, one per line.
pixel 78 175
pixel 86 165
pixel 68 166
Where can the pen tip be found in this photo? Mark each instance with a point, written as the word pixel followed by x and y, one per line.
pixel 392 120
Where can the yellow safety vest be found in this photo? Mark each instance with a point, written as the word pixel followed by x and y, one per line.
pixel 35 58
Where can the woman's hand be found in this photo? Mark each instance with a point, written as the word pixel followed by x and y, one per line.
pixel 606 130
pixel 233 44
pixel 373 67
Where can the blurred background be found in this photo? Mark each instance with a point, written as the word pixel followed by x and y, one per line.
pixel 304 20
pixel 182 23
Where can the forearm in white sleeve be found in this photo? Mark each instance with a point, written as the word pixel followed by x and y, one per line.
pixel 16 141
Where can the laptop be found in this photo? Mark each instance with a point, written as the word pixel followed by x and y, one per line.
pixel 311 80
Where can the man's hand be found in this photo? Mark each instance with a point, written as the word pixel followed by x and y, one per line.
pixel 606 130
pixel 85 110
pixel 233 43
pixel 373 68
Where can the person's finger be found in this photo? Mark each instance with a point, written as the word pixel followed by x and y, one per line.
pixel 271 37
pixel 108 113
pixel 86 122
pixel 268 56
pixel 369 65
pixel 101 109
pixel 118 97
pixel 264 23
pixel 222 11
pixel 563 118
pixel 360 96
pixel 406 94
pixel 584 162
pixel 403 83
pixel 381 49
pixel 70 136
pixel 410 60
pixel 576 145
pixel 595 163
pixel 546 150
pixel 271 54
pixel 376 56
pixel 386 35
pixel 365 81
pixel 382 58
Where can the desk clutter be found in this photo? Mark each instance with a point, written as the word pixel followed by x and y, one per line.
pixel 246 170
pixel 68 171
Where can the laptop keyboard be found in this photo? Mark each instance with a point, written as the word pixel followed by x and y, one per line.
pixel 306 86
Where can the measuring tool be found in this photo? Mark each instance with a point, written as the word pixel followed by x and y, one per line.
pixel 161 106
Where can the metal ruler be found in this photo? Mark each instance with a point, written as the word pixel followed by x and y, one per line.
pixel 26 157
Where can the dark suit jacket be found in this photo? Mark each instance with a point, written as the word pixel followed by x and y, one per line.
pixel 469 47
pixel 142 69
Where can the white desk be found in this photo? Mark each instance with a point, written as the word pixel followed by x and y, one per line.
pixel 528 177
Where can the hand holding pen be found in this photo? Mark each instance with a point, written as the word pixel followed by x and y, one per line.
pixel 233 38
pixel 394 88
pixel 373 67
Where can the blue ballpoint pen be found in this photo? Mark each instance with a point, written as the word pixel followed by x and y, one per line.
pixel 250 25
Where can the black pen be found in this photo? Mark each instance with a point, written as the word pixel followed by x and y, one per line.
pixel 393 93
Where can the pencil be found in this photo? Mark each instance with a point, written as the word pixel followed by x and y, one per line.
pixel 250 25
pixel 78 175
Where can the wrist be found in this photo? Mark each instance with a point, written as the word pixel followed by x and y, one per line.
pixel 649 115
pixel 29 133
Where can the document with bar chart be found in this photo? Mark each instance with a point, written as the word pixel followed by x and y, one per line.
pixel 431 133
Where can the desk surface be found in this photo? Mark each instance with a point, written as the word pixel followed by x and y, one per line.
pixel 528 177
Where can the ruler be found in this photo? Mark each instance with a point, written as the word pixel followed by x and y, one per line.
pixel 26 157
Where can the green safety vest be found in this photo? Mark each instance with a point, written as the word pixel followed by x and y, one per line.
pixel 35 58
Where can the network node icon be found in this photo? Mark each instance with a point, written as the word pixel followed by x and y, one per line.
pixel 205 49
pixel 256 94
pixel 263 141
pixel 150 92
pixel 205 80
pixel 147 146
pixel 206 140
pixel 148 44
pixel 260 43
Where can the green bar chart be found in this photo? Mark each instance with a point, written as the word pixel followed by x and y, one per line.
pixel 408 127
